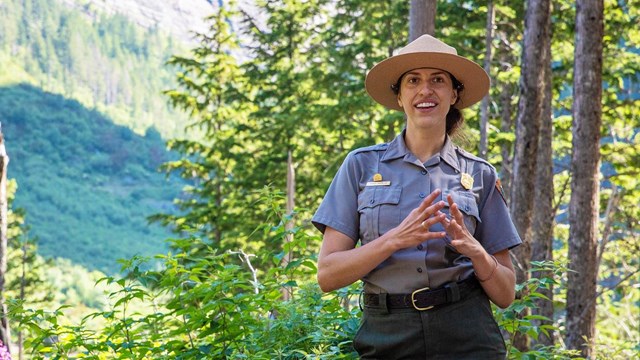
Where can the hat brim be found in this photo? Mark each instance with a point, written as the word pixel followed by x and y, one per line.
pixel 387 72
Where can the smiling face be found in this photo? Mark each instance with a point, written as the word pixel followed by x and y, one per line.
pixel 425 96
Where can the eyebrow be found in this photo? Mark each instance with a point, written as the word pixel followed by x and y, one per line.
pixel 417 73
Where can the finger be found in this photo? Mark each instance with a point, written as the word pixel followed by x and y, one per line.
pixel 434 235
pixel 438 218
pixel 455 211
pixel 433 210
pixel 457 226
pixel 450 245
pixel 450 200
pixel 457 214
pixel 429 200
pixel 454 229
pixel 447 224
pixel 456 243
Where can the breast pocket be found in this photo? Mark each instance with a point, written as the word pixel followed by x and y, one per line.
pixel 379 211
pixel 469 208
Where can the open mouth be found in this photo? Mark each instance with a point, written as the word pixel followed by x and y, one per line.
pixel 426 105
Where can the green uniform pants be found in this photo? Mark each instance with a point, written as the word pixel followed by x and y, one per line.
pixel 462 330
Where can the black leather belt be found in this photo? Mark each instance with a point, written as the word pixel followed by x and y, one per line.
pixel 425 299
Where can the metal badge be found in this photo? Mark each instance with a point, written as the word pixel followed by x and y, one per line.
pixel 466 181
pixel 377 181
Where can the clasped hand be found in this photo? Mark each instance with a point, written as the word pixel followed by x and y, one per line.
pixel 414 229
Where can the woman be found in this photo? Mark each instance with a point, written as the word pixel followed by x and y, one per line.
pixel 434 229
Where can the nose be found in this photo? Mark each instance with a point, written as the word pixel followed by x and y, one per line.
pixel 426 89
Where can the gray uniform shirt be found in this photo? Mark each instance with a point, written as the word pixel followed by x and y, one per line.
pixel 375 189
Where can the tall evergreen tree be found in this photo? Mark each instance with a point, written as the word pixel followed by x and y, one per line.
pixel 284 68
pixel 528 122
pixel 585 162
pixel 528 127
pixel 422 18
pixel 299 90
pixel 214 91
pixel 543 211
pixel 360 35
pixel 25 269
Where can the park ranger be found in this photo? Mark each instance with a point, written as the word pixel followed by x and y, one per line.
pixel 433 228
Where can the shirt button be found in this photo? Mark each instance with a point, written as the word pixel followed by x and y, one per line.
pixel 423 172
pixel 419 270
pixel 422 195
pixel 371 201
pixel 466 208
pixel 420 247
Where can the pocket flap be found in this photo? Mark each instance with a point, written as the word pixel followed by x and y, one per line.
pixel 466 203
pixel 378 195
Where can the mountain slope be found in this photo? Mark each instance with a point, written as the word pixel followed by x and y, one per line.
pixel 87 184
pixel 87 168
pixel 102 59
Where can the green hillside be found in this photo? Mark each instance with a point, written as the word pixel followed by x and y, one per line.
pixel 104 61
pixel 87 184
pixel 84 118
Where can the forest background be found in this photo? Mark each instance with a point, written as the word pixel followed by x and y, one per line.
pixel 269 98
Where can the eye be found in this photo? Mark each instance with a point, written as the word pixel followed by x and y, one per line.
pixel 438 79
pixel 412 80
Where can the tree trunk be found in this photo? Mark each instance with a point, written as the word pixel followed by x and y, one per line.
pixel 585 160
pixel 527 135
pixel 528 128
pixel 484 107
pixel 291 191
pixel 506 124
pixel 4 222
pixel 543 211
pixel 422 18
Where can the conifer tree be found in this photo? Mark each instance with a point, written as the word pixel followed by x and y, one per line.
pixel 215 93
pixel 585 163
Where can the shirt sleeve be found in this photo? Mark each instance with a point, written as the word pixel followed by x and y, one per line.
pixel 339 208
pixel 496 231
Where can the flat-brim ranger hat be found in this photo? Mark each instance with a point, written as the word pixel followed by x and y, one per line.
pixel 426 52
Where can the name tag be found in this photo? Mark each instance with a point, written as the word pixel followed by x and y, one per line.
pixel 378 183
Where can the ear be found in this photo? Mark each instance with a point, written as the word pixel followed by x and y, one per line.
pixel 399 100
pixel 454 97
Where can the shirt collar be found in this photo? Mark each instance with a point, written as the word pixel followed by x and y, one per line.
pixel 398 149
pixel 448 154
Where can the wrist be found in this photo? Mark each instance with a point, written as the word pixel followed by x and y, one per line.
pixel 489 275
pixel 388 242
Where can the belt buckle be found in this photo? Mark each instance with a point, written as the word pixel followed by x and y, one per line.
pixel 413 300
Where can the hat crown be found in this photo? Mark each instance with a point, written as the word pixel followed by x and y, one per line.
pixel 427 43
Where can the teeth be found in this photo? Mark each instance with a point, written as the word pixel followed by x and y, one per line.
pixel 426 104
